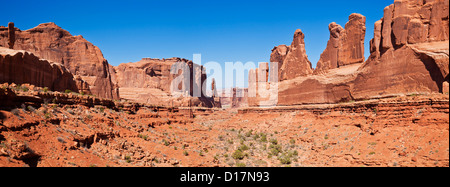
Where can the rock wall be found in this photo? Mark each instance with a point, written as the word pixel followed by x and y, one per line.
pixel 262 91
pixel 21 67
pixel 149 81
pixel 409 55
pixel 293 61
pixel 80 57
pixel 411 22
pixel 409 51
pixel 345 46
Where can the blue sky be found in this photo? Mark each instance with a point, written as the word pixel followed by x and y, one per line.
pixel 222 31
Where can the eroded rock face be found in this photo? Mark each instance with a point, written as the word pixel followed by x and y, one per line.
pixel 409 51
pixel 293 61
pixel 409 69
pixel 345 46
pixel 11 35
pixel 408 56
pixel 22 67
pixel 278 55
pixel 80 57
pixel 149 81
pixel 411 22
pixel 352 41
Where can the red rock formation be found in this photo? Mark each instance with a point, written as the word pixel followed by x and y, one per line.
pixel 213 88
pixel 329 57
pixel 279 53
pixel 405 59
pixel 414 49
pixel 352 41
pixel 49 41
pixel 261 92
pixel 293 61
pixel 11 35
pixel 412 21
pixel 239 98
pixel 149 81
pixel 345 46
pixel 21 67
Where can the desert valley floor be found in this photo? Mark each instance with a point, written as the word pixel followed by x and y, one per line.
pixel 75 130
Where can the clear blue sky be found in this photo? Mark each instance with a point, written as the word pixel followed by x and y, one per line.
pixel 222 31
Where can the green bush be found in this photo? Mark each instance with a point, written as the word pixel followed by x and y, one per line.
pixel 240 165
pixel 292 141
pixel 249 133
pixel 145 137
pixel 68 91
pixel 275 149
pixel 263 137
pixel 274 141
pixel 166 143
pixel 238 155
pixel 128 159
pixel 243 147
pixel 284 159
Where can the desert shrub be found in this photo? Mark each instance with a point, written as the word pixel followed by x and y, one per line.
pixel 31 109
pixel 275 149
pixel 238 155
pixel 47 115
pixel 145 137
pixel 292 141
pixel 240 165
pixel 166 143
pixel 284 159
pixel 243 147
pixel 68 91
pixel 263 137
pixel 256 136
pixel 128 159
pixel 274 141
pixel 249 133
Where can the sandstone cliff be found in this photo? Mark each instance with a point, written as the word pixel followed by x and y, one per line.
pixel 292 60
pixel 20 67
pixel 345 46
pixel 149 81
pixel 80 57
pixel 409 51
pixel 409 55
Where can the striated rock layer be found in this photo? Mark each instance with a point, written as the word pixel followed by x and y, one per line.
pixel 20 67
pixel 80 57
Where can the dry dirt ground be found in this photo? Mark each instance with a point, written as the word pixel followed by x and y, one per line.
pixel 403 131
